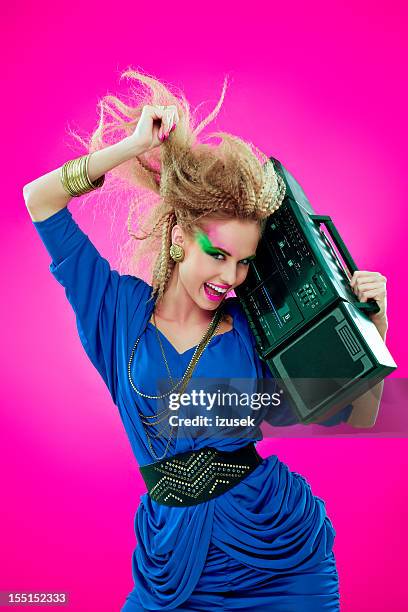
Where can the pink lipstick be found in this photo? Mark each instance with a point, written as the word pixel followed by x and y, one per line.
pixel 212 294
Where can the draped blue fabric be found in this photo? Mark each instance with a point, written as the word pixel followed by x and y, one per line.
pixel 264 544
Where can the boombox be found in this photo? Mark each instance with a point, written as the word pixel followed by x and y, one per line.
pixel 309 327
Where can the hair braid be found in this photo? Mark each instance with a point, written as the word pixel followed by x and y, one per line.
pixel 164 263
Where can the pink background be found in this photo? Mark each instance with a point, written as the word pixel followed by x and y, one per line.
pixel 322 87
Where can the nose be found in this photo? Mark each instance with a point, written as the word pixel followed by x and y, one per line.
pixel 229 274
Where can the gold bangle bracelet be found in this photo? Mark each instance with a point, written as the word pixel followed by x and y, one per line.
pixel 75 177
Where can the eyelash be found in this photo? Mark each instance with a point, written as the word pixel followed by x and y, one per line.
pixel 216 254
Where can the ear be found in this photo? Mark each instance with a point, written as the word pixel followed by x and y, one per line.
pixel 177 236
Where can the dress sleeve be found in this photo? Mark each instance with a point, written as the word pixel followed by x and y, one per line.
pixel 92 289
pixel 283 415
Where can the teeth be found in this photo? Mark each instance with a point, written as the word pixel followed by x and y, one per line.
pixel 216 288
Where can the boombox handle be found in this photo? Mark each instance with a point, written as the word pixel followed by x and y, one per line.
pixel 371 305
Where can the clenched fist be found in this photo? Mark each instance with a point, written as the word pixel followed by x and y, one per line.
pixel 154 126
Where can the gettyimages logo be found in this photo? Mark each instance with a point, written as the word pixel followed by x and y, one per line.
pixel 208 400
pixel 224 407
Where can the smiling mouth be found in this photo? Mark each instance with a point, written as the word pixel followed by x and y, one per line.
pixel 215 289
pixel 213 293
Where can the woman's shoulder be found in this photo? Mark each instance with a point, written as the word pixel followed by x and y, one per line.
pixel 135 282
pixel 136 290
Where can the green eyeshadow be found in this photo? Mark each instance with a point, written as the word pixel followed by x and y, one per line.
pixel 205 243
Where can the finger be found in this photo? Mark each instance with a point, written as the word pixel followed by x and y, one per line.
pixel 170 118
pixel 175 120
pixel 166 122
pixel 379 289
pixel 371 294
pixel 172 123
pixel 361 275
pixel 378 295
pixel 370 278
pixel 158 113
pixel 368 284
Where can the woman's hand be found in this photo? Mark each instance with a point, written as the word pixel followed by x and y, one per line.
pixel 372 285
pixel 154 126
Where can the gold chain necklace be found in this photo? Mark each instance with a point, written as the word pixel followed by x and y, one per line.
pixel 162 348
pixel 213 326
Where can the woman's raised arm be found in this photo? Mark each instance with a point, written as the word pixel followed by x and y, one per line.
pixel 94 291
pixel 46 195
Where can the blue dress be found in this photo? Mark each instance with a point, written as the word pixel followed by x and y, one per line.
pixel 266 544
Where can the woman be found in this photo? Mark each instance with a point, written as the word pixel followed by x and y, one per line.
pixel 220 528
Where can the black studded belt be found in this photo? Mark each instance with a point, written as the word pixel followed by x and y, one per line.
pixel 197 476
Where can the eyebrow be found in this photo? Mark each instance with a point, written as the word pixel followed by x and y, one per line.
pixel 226 253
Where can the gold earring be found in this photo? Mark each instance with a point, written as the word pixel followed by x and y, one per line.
pixel 177 252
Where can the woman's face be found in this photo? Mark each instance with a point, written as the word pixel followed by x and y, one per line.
pixel 217 254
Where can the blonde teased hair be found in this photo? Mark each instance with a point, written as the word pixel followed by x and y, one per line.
pixel 186 179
